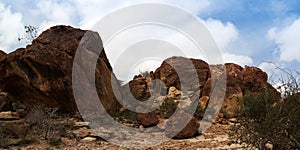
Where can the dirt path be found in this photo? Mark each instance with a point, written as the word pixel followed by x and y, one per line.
pixel 216 137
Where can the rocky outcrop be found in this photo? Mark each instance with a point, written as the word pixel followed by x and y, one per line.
pixel 2 55
pixel 147 119
pixel 168 72
pixel 137 89
pixel 239 82
pixel 190 130
pixel 5 102
pixel 41 73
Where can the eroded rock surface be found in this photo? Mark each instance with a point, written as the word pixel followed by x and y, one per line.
pixel 239 81
pixel 41 73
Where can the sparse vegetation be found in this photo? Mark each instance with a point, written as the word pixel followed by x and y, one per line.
pixel 144 74
pixel 168 107
pixel 49 124
pixel 264 119
pixel 31 32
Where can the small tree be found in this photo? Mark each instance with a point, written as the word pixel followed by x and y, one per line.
pixel 264 122
pixel 31 32
pixel 144 74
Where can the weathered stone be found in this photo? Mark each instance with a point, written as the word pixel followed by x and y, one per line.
pixel 41 73
pixel 188 68
pixel 2 55
pixel 5 102
pixel 89 139
pixel 174 93
pixel 14 128
pixel 162 123
pixel 190 130
pixel 9 116
pixel 233 120
pixel 203 102
pixel 81 124
pixel 136 89
pixel 147 119
pixel 82 132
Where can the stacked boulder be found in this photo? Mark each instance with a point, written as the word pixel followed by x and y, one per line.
pixel 239 82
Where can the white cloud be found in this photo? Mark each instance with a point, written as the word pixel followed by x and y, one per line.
pixel 91 11
pixel 55 13
pixel 223 33
pixel 10 26
pixel 238 59
pixel 85 14
pixel 287 41
pixel 226 35
pixel 269 68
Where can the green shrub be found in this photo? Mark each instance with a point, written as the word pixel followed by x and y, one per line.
pixel 262 121
pixel 168 107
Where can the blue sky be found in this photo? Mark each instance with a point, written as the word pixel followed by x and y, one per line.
pixel 248 32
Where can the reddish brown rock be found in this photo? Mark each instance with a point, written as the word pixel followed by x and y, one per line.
pixel 2 55
pixel 139 88
pixel 41 73
pixel 190 130
pixel 239 81
pixel 235 71
pixel 147 119
pixel 5 102
pixel 167 73
pixel 203 102
pixel 254 79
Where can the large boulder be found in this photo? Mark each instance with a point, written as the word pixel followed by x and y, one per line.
pixel 254 79
pixel 239 82
pixel 169 69
pixel 137 88
pixel 190 130
pixel 41 73
pixel 147 119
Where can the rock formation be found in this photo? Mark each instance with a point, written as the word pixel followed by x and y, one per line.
pixel 190 130
pixel 41 73
pixel 239 81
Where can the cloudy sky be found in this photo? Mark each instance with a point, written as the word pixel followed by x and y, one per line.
pixel 247 32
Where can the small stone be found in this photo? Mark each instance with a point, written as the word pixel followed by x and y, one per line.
pixel 82 132
pixel 190 93
pixel 233 120
pixel 141 127
pixel 89 139
pixel 81 124
pixel 269 146
pixel 190 129
pixel 162 123
pixel 203 102
pixel 8 115
pixel 173 93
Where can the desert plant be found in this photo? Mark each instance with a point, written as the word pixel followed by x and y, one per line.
pixel 168 107
pixel 47 122
pixel 262 121
pixel 144 74
pixel 31 32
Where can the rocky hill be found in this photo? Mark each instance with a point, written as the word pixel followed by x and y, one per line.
pixel 239 82
pixel 40 75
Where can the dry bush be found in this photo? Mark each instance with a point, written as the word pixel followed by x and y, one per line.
pixel 262 121
pixel 49 124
